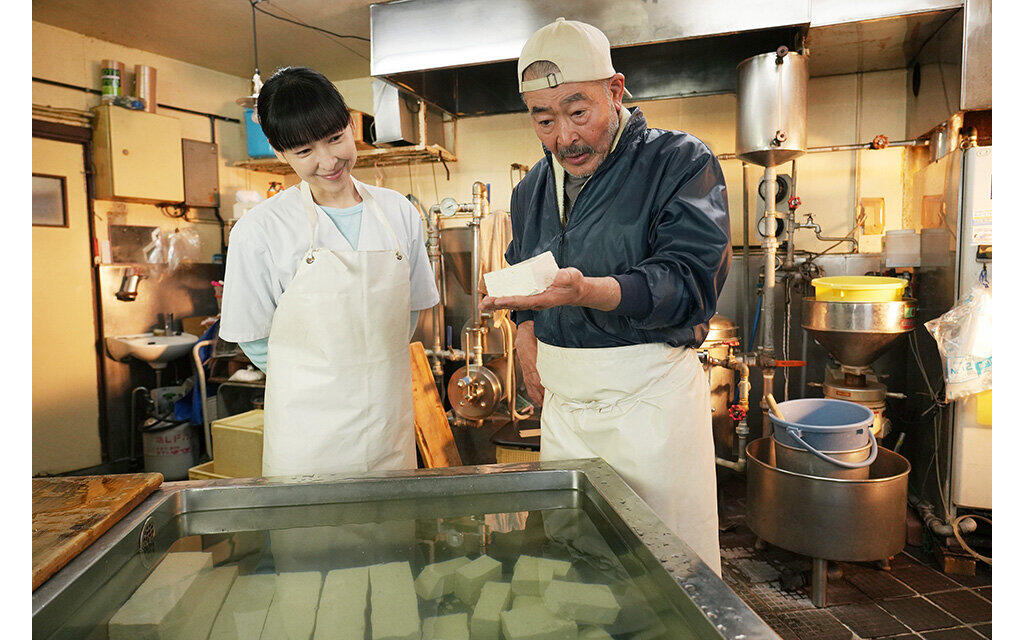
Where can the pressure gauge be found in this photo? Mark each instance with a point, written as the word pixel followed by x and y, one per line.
pixel 449 207
pixel 763 226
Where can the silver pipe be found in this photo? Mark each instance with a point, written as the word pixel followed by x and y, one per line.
pixel 935 523
pixel 814 226
pixel 819 582
pixel 848 147
pixel 480 210
pixel 739 364
pixel 434 254
pixel 746 257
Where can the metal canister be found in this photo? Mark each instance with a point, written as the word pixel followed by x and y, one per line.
pixel 111 80
pixel 771 103
pixel 722 338
pixel 145 86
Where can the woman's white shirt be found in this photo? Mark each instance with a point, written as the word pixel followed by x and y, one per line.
pixel 268 242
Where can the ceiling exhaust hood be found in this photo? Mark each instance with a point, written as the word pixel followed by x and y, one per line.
pixel 461 54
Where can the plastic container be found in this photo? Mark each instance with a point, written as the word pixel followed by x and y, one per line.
pixel 902 248
pixel 825 437
pixel 936 248
pixel 238 445
pixel 205 472
pixel 259 146
pixel 858 289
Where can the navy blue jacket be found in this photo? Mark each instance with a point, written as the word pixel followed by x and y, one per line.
pixel 654 216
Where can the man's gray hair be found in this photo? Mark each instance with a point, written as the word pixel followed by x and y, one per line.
pixel 544 68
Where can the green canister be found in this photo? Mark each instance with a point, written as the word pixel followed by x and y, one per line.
pixel 111 80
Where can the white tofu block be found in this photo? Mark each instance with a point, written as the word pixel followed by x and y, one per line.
pixel 160 604
pixel 394 610
pixel 214 586
pixel 470 578
pixel 594 633
pixel 292 614
pixel 525 602
pixel 245 609
pixel 438 579
pixel 531 574
pixel 525 278
pixel 494 598
pixel 342 611
pixel 536 623
pixel 584 603
pixel 451 627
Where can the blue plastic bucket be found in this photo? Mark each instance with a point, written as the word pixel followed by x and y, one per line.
pixel 835 432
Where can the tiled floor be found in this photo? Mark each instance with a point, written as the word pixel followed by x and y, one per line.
pixel 912 601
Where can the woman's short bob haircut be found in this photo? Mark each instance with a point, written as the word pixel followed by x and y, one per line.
pixel 298 106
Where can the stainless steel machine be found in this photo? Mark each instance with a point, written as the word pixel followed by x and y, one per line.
pixel 579 511
pixel 856 334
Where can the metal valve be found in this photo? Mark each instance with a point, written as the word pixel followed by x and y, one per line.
pixel 780 54
pixel 880 142
pixel 737 413
pixel 780 138
pixel 794 202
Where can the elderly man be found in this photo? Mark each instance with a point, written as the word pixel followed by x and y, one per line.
pixel 638 223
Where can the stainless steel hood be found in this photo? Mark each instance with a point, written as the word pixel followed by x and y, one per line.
pixel 461 54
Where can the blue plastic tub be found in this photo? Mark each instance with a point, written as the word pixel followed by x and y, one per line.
pixel 829 430
pixel 259 146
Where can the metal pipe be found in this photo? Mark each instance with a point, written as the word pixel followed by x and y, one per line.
pixel 819 582
pixel 814 226
pixel 848 147
pixel 480 210
pixel 201 378
pixel 739 364
pixel 770 244
pixel 937 524
pixel 434 255
pixel 746 255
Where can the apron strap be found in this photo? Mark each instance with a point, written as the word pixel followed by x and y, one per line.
pixel 371 202
pixel 314 220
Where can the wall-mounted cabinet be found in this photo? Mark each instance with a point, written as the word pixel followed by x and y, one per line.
pixel 137 156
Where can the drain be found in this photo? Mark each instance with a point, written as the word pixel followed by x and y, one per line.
pixel 147 542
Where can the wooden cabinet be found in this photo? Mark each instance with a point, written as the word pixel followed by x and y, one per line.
pixel 137 156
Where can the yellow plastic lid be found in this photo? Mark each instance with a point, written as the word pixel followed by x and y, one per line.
pixel 859 288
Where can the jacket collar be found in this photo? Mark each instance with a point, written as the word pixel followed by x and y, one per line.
pixel 629 125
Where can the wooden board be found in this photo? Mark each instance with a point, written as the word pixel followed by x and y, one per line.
pixel 69 514
pixel 433 433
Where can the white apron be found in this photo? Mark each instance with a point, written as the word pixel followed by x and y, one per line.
pixel 645 409
pixel 339 383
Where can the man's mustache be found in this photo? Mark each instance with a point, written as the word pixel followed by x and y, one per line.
pixel 574 150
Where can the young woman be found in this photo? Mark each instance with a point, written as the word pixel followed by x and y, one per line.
pixel 324 283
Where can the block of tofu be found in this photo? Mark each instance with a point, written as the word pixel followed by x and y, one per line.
pixel 494 598
pixel 594 633
pixel 532 574
pixel 525 278
pixel 438 579
pixel 584 603
pixel 523 602
pixel 394 610
pixel 536 623
pixel 470 578
pixel 342 611
pixel 450 627
pixel 245 609
pixel 292 614
pixel 214 586
pixel 160 604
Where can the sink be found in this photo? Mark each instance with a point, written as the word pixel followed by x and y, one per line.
pixel 155 350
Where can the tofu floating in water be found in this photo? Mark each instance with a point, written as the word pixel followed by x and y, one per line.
pixel 451 627
pixel 342 611
pixel 470 578
pixel 245 609
pixel 161 604
pixel 584 603
pixel 594 633
pixel 525 278
pixel 536 623
pixel 394 610
pixel 525 602
pixel 214 586
pixel 438 579
pixel 531 574
pixel 494 598
pixel 292 614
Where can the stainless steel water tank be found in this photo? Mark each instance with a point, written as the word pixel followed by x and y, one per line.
pixel 771 92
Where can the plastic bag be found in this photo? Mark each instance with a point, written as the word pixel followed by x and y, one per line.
pixel 156 250
pixel 182 247
pixel 964 338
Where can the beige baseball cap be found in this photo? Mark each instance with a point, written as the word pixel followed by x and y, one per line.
pixel 581 52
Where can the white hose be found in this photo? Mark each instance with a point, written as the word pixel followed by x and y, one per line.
pixel 956 534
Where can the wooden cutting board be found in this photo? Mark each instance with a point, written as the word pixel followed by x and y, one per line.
pixel 69 514
pixel 433 433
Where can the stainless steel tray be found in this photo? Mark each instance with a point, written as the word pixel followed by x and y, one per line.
pixel 128 551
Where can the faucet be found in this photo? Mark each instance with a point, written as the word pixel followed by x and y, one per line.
pixel 130 284
pixel 169 325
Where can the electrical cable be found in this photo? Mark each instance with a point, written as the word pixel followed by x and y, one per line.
pixel 302 24
pixel 956 534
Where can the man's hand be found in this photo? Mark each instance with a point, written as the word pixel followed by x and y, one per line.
pixel 526 353
pixel 570 287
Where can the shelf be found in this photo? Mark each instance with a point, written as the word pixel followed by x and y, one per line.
pixel 417 154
